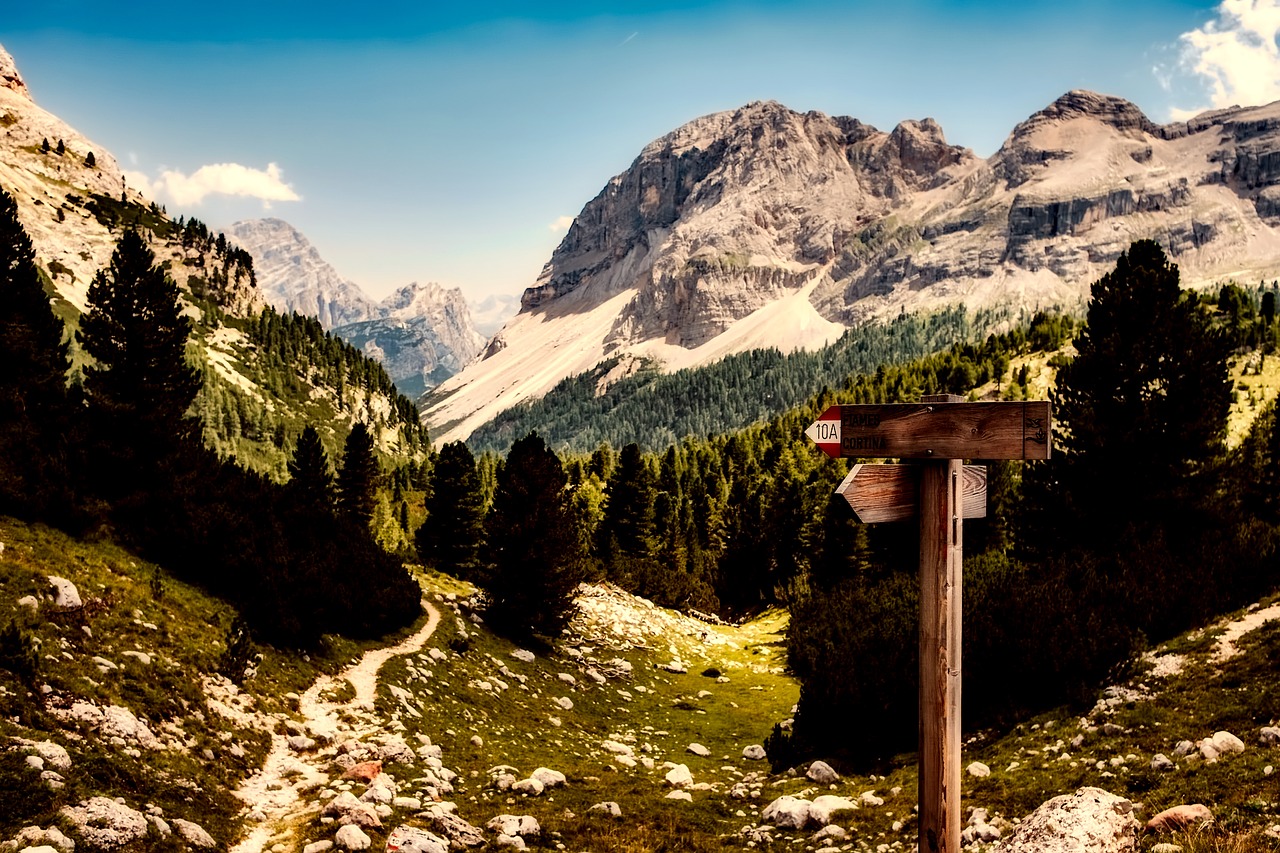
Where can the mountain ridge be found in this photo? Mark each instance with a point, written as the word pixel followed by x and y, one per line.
pixel 764 227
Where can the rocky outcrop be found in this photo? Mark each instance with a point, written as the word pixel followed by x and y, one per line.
pixel 9 76
pixel 762 226
pixel 1089 821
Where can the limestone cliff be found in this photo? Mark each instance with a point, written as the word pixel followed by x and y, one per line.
pixel 766 227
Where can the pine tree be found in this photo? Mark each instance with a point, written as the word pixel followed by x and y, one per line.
pixel 44 146
pixel 449 539
pixel 534 560
pixel 310 478
pixel 33 397
pixel 90 161
pixel 137 335
pixel 358 479
pixel 62 148
pixel 627 541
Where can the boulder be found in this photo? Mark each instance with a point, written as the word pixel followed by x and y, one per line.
pixel 548 777
pixel 351 837
pixel 43 848
pixel 301 743
pixel 609 808
pixel 698 750
pixel 821 772
pixel 193 833
pixel 1180 817
pixel 822 808
pixel 617 748
pixel 1160 761
pixel 318 847
pixel 458 832
pixel 346 809
pixel 684 796
pixel 524 655
pixel 979 770
pixel 409 839
pixel 679 776
pixel 528 787
pixel 1269 736
pixel 788 813
pixel 1183 747
pixel 35 838
pixel 103 822
pixel 1222 743
pixel 1089 821
pixel 65 594
pixel 755 752
pixel 524 826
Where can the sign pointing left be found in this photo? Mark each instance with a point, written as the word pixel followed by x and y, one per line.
pixel 825 432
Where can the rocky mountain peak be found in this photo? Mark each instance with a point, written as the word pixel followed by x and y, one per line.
pixel 1110 110
pixel 414 299
pixel 9 76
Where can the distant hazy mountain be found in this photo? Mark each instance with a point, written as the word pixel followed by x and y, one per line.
pixel 766 227
pixel 422 333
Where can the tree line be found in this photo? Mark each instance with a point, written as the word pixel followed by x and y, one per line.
pixel 116 450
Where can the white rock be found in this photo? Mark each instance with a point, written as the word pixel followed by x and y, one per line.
pixel 43 848
pixel 679 776
pixel 528 787
pixel 411 804
pixel 65 594
pixel 609 807
pixel 549 778
pixel 35 838
pixel 564 702
pixel 141 657
pixel 521 825
pixel 318 847
pixel 408 839
pixel 617 748
pixel 105 823
pixel 680 795
pixel 822 808
pixel 1088 821
pixel 477 741
pixel 787 813
pixel 193 833
pixel 822 773
pixel 29 601
pixel 978 769
pixel 1222 743
pixel 1269 736
pixel 869 798
pixel 566 678
pixel 755 752
pixel 1160 761
pixel 352 837
pixel 524 655
pixel 515 842
pixel 301 743
pixel 698 750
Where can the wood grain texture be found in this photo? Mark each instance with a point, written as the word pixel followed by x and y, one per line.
pixel 941 545
pixel 881 493
pixel 999 430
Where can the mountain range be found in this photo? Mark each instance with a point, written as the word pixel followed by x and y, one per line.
pixel 765 227
pixel 422 333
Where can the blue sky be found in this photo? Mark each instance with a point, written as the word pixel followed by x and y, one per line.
pixel 434 142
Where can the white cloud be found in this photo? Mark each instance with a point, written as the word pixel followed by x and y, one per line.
pixel 562 223
pixel 1235 55
pixel 214 179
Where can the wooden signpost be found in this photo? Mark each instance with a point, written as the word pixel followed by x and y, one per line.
pixel 942 491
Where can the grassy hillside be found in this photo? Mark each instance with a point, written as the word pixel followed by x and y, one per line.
pixel 485 708
pixel 142 641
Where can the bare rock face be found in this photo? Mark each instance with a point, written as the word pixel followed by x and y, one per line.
pixel 293 276
pixel 9 76
pixel 1088 821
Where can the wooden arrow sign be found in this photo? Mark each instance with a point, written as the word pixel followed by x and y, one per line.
pixel 1001 430
pixel 880 493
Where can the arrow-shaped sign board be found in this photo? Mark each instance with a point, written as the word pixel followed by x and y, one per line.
pixel 892 492
pixel 1001 430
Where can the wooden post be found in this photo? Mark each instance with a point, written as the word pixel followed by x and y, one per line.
pixel 941 530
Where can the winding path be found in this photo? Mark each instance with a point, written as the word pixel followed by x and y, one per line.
pixel 274 790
